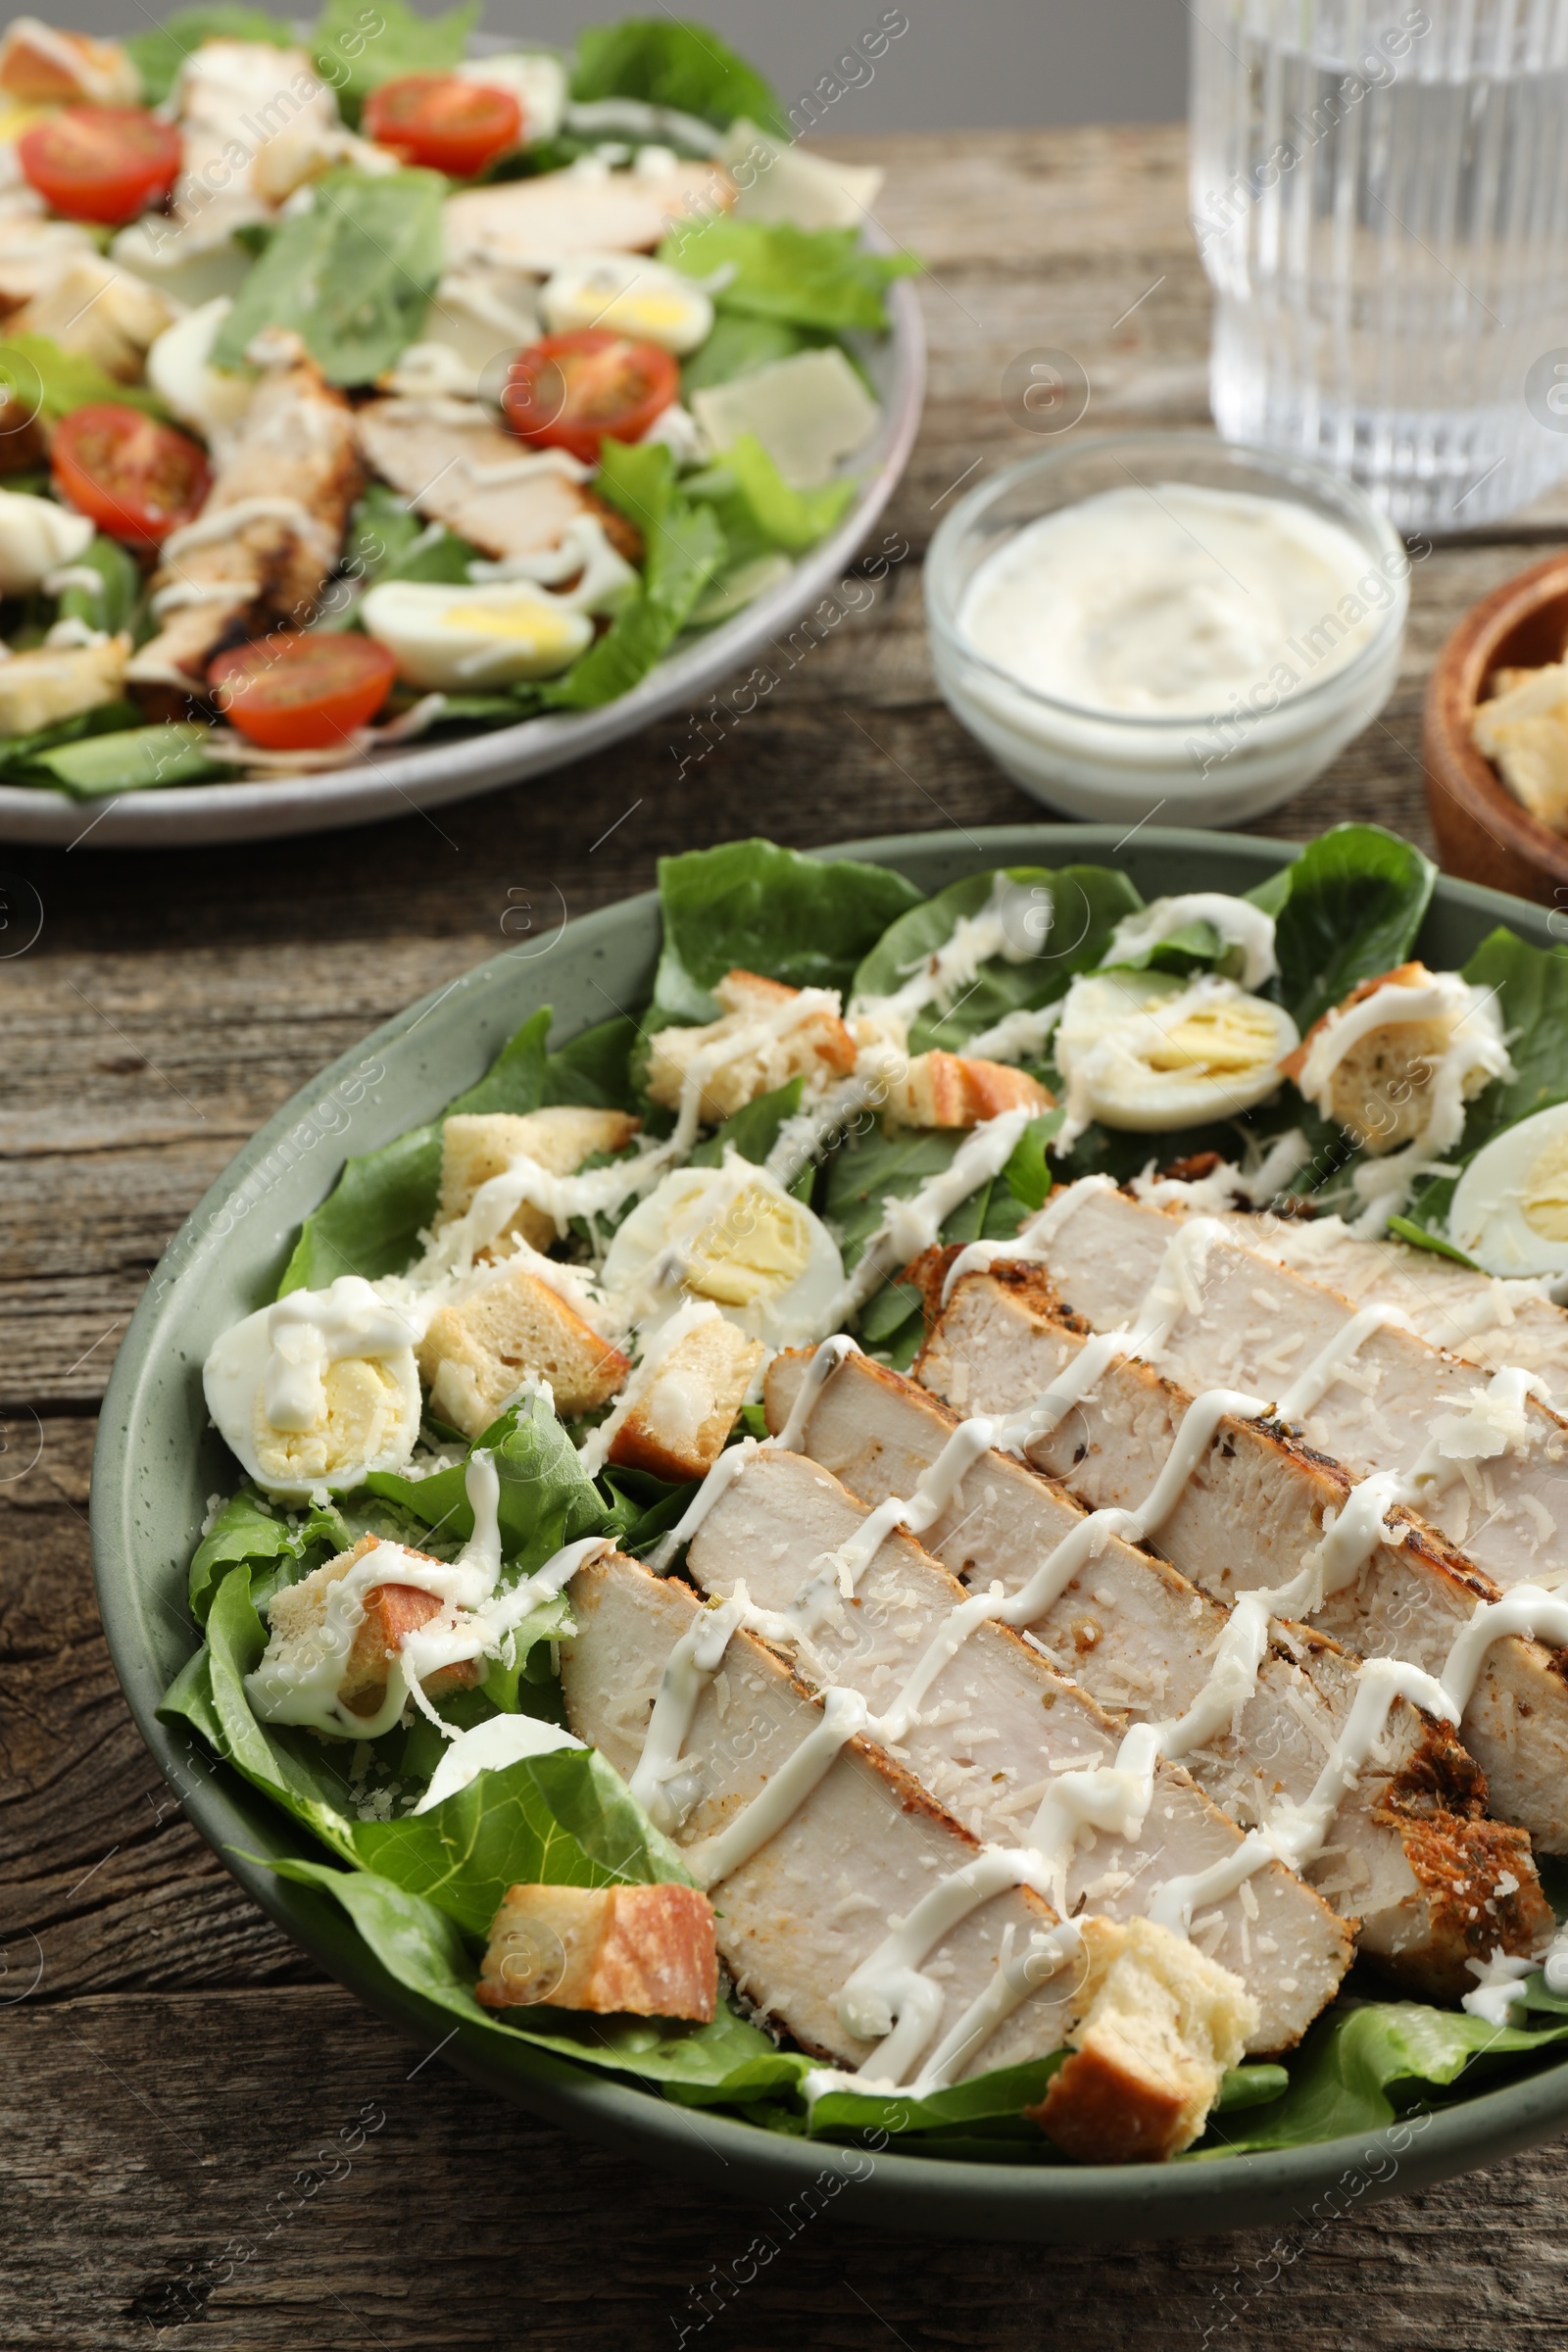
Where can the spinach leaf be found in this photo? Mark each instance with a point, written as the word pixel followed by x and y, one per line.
pixel 19 754
pixel 807 276
pixel 353 276
pixel 792 918
pixel 423 1948
pixel 752 1130
pixel 359 47
pixel 387 541
pixel 547 1500
pixel 49 382
pixel 371 1222
pixel 1349 907
pixel 1064 930
pixel 668 63
pixel 757 507
pixel 684 550
pixel 594 1069
pixel 248 1529
pixel 111 604
pixel 158 53
pixel 134 759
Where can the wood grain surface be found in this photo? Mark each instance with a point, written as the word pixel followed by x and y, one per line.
pixel 201 2143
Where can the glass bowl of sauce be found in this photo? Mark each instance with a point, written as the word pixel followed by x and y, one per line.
pixel 1133 620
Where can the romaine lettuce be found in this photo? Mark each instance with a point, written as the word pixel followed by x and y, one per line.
pixel 668 63
pixel 804 921
pixel 353 276
pixel 821 277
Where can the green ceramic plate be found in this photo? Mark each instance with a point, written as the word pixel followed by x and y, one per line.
pixel 158 1461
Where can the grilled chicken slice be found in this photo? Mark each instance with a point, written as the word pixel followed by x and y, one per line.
pixel 857 1853
pixel 1409 1845
pixel 453 463
pixel 1251 1510
pixel 999 1723
pixel 1479 1317
pixel 261 551
pixel 235 98
pixel 535 224
pixel 1252 1325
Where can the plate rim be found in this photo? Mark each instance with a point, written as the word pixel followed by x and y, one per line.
pixel 413 780
pixel 896 2191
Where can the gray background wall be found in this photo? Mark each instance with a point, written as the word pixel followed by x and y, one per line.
pixel 961 62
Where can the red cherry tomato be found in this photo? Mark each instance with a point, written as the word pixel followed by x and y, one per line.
pixel 439 120
pixel 137 479
pixel 298 691
pixel 100 163
pixel 574 391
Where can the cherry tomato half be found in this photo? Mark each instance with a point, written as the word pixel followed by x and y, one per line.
pixel 574 391
pixel 137 479
pixel 444 122
pixel 299 691
pixel 100 163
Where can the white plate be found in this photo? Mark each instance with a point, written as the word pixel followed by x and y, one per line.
pixel 425 775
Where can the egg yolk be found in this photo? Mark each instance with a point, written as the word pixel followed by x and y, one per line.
pixel 362 1400
pixel 1224 1037
pixel 753 1250
pixel 1544 1201
pixel 526 620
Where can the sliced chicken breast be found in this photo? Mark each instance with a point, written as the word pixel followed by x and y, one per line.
pixel 1246 1519
pixel 266 541
pixel 535 224
pixel 1409 1845
pixel 998 1723
pixel 456 465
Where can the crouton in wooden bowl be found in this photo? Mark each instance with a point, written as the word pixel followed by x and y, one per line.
pixel 1503 819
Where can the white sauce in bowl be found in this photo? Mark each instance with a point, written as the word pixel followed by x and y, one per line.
pixel 1173 601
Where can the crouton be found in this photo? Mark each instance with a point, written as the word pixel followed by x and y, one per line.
pixel 96 309
pixel 1159 2027
pixel 647 1951
pixel 817 1048
pixel 48 683
pixel 514 1327
pixel 297 1618
pixel 1381 1088
pixel 678 1427
pixel 478 1144
pixel 947 1090
pixel 44 66
pixel 1523 730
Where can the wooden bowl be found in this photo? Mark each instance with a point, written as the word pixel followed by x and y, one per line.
pixel 1484 834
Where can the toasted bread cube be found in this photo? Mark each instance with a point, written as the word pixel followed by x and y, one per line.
pixel 478 1144
pixel 1152 2044
pixel 46 65
pixel 477 1353
pixel 48 683
pixel 818 1047
pixel 645 1950
pixel 100 310
pixel 678 1427
pixel 297 1615
pixel 948 1089
pixel 1382 1088
pixel 1522 728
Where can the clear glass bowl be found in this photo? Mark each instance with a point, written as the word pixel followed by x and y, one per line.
pixel 1115 766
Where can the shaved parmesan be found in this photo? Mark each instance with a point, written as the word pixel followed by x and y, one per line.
pixel 808 412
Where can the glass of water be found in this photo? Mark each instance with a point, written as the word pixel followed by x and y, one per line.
pixel 1380 195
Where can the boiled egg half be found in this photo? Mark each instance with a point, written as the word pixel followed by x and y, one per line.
pixel 1148 1050
pixel 627 294
pixel 318 1391
pixel 1510 1210
pixel 455 639
pixel 734 1236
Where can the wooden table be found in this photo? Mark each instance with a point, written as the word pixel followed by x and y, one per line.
pixel 169 2068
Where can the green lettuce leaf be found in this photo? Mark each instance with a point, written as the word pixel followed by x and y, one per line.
pixel 547 1500
pixel 423 1950
pixel 792 918
pixel 757 508
pixel 738 346
pixel 1348 908
pixel 594 1068
pixel 50 382
pixel 1087 902
pixel 158 52
pixel 818 278
pixel 353 276
pixel 20 755
pixel 683 554
pixel 248 1529
pixel 387 541
pixel 112 605
pixel 668 63
pixel 371 1222
pixel 358 48
pixel 131 758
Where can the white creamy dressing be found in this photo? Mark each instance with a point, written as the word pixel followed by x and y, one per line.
pixel 910 1226
pixel 1167 602
pixel 1237 922
pixel 308 1330
pixel 217 524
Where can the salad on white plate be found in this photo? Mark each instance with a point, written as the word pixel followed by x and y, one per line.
pixel 959 1528
pixel 358 388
